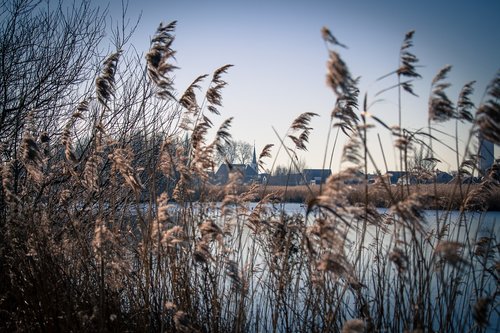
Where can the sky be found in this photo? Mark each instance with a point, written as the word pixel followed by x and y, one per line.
pixel 280 60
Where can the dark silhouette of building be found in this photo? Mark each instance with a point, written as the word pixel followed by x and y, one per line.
pixel 486 155
pixel 248 172
pixel 316 176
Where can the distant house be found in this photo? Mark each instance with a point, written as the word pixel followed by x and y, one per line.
pixel 379 179
pixel 394 176
pixel 465 179
pixel 357 177
pixel 264 177
pixel 248 173
pixel 308 176
pixel 291 179
pixel 443 177
pixel 407 180
pixel 401 177
pixel 316 176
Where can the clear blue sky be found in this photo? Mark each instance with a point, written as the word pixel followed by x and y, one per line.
pixel 280 58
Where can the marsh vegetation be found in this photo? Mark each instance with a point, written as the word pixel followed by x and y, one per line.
pixel 108 221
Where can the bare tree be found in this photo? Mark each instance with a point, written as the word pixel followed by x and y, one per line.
pixel 422 160
pixel 236 152
pixel 281 170
pixel 47 58
pixel 299 165
pixel 244 152
pixel 229 153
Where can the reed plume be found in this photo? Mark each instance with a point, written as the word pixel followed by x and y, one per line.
pixel 158 59
pixel 411 211
pixel 66 135
pixel 168 158
pixel 8 183
pixel 223 136
pixel 400 258
pixel 91 172
pixel 32 158
pixel 345 107
pixel 214 95
pixel 464 103
pixel 30 150
pixel 477 198
pixel 182 323
pixel 105 82
pixel 200 131
pixel 354 326
pixel 480 311
pixel 266 152
pixel 121 158
pixel 301 123
pixel 407 62
pixel 338 76
pixel 451 252
pixel 188 99
pixel 488 113
pixel 328 37
pixel 440 106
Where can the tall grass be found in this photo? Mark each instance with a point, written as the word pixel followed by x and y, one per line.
pixel 112 225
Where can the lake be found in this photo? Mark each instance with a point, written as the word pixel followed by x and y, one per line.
pixel 287 290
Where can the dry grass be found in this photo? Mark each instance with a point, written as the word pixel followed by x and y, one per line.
pixel 113 226
pixel 296 194
pixel 448 196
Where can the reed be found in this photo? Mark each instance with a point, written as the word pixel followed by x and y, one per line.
pixel 113 224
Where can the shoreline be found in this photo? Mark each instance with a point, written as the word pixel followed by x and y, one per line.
pixel 448 196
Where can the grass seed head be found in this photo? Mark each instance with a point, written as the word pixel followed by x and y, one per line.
pixel 354 326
